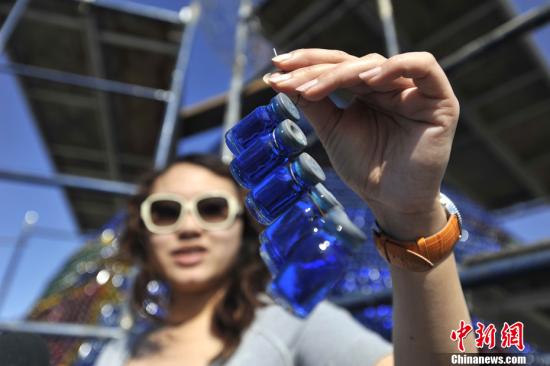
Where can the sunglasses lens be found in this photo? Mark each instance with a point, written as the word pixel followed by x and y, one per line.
pixel 165 212
pixel 213 209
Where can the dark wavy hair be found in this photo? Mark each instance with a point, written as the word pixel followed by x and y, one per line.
pixel 248 276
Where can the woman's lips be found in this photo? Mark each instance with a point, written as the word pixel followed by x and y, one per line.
pixel 189 256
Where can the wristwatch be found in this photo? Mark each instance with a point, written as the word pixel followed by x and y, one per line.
pixel 425 253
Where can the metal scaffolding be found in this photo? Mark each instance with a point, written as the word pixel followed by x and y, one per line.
pixel 187 18
pixel 471 277
pixel 233 109
pixel 167 136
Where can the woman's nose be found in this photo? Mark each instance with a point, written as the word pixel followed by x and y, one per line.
pixel 188 225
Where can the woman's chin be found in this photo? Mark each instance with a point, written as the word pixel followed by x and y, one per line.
pixel 195 284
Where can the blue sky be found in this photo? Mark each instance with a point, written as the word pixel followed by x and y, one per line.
pixel 23 150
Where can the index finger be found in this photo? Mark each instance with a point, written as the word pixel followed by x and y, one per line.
pixel 309 56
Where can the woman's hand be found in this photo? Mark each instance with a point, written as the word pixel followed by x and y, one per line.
pixel 391 145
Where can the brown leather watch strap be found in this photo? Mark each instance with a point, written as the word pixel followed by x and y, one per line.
pixel 425 253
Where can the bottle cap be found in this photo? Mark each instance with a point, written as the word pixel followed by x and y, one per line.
pixel 285 108
pixel 339 224
pixel 308 170
pixel 290 137
pixel 323 198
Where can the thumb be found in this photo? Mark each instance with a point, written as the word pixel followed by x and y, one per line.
pixel 323 115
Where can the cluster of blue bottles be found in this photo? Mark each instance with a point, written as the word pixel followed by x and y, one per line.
pixel 266 152
pixel 316 262
pixel 309 240
pixel 277 239
pixel 260 122
pixel 282 188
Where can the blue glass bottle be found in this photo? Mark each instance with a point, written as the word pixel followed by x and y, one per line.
pixel 268 152
pixel 316 263
pixel 260 122
pixel 278 238
pixel 282 187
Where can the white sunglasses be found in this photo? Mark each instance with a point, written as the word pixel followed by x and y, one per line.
pixel 162 213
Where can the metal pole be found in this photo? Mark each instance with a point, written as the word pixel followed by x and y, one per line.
pixel 311 15
pixel 166 138
pixel 96 62
pixel 385 11
pixel 516 26
pixel 64 329
pixel 135 8
pixel 486 273
pixel 11 22
pixel 321 23
pixel 233 109
pixel 85 81
pixel 31 218
pixel 471 276
pixel 315 19
pixel 73 181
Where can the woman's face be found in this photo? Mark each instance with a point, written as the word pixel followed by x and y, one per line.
pixel 193 258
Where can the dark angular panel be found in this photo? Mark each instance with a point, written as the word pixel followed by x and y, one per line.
pixel 491 183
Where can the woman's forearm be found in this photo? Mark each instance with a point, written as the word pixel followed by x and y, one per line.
pixel 427 306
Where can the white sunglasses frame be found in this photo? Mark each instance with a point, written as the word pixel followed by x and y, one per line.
pixel 234 210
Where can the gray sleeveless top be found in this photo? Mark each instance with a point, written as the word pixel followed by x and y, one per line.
pixel 328 337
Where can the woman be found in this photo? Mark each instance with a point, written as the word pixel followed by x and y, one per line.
pixel 391 145
pixel 187 228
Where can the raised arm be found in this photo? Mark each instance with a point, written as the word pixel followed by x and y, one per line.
pixel 391 145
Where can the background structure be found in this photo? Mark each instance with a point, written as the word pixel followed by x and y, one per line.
pixel 112 90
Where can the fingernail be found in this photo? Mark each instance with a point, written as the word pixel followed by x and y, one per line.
pixel 282 57
pixel 279 77
pixel 302 88
pixel 370 73
pixel 266 77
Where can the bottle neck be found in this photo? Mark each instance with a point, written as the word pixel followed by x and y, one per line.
pixel 297 174
pixel 339 225
pixel 345 242
pixel 322 205
pixel 276 142
pixel 274 113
